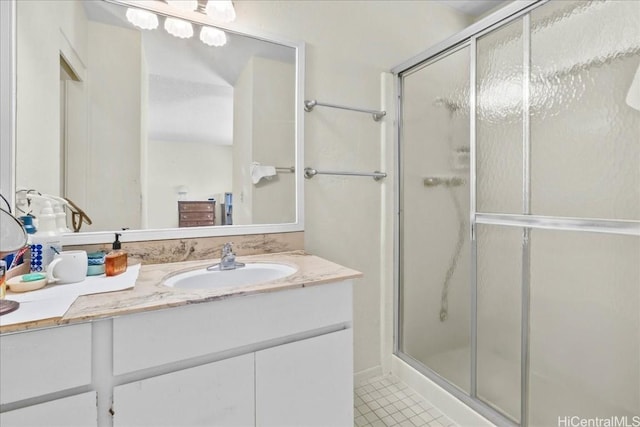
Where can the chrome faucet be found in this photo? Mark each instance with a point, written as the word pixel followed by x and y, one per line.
pixel 228 258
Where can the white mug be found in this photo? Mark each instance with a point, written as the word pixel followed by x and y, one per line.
pixel 68 267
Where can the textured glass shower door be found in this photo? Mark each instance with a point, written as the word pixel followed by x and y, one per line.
pixel 536 320
pixel 435 252
pixel 558 147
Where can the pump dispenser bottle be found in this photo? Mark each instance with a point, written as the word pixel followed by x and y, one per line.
pixel 46 241
pixel 115 262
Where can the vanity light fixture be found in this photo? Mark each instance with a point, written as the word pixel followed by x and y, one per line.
pixel 178 28
pixel 221 10
pixel 142 19
pixel 213 36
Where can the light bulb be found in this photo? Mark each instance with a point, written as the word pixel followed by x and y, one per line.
pixel 213 36
pixel 178 28
pixel 142 19
pixel 184 4
pixel 221 10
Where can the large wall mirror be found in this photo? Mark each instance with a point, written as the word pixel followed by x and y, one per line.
pixel 129 123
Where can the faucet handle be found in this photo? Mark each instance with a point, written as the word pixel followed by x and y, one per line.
pixel 227 249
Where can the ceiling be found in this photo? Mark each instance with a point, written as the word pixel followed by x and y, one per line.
pixel 474 8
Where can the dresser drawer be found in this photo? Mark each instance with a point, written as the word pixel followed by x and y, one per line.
pixel 196 206
pixel 196 213
pixel 196 216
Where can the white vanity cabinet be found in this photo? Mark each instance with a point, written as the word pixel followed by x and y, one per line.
pixel 50 369
pixel 282 358
pixel 271 359
pixel 216 394
pixel 45 361
pixel 306 383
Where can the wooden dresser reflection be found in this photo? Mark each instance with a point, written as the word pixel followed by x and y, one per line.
pixel 196 213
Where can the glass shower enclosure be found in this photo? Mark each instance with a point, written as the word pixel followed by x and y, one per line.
pixel 519 221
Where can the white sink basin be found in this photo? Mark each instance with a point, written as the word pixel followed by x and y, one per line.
pixel 251 274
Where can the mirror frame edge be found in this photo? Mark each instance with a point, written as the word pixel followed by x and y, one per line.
pixel 8 140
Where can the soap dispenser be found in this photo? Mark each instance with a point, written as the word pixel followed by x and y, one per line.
pixel 115 262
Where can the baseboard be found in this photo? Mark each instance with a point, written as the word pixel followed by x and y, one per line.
pixel 367 374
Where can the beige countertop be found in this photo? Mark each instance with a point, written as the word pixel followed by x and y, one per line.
pixel 150 294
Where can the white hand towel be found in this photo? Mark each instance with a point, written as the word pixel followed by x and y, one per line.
pixel 259 171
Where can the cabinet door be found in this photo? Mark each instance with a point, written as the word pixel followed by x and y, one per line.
pixel 71 411
pixel 216 394
pixel 44 361
pixel 306 383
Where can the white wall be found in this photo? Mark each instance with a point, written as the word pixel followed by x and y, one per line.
pixel 43 30
pixel 274 141
pixel 349 45
pixel 47 31
pixel 242 145
pixel 115 112
pixel 264 132
pixel 209 174
pixel 96 180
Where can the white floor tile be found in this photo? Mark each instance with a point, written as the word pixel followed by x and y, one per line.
pixel 389 421
pixel 364 409
pixel 417 408
pixel 381 413
pixel 407 412
pixel 399 417
pixel 390 409
pixel 371 417
pixel 361 421
pixel 426 416
pixel 388 402
pixel 417 421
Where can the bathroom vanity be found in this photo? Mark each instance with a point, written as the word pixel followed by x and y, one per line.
pixel 273 354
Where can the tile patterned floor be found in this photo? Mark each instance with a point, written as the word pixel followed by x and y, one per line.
pixel 386 401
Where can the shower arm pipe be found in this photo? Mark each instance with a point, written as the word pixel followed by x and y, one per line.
pixel 311 103
pixel 376 175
